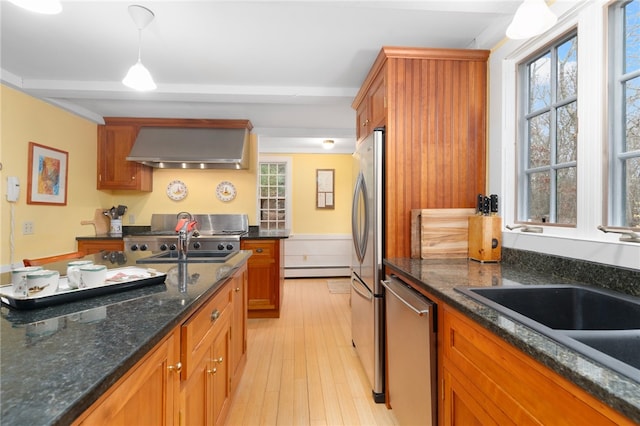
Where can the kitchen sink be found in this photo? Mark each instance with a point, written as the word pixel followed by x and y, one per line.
pixel 192 257
pixel 564 307
pixel 601 324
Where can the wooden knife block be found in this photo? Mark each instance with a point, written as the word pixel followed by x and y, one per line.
pixel 485 238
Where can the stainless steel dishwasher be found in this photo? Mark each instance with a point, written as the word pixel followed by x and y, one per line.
pixel 411 351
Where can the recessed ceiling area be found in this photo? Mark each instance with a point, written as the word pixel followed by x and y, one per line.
pixel 291 67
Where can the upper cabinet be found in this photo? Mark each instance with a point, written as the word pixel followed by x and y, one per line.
pixel 433 104
pixel 114 171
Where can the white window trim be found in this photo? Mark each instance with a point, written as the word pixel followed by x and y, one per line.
pixel 584 241
pixel 288 190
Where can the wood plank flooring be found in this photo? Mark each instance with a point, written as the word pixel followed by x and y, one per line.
pixel 302 369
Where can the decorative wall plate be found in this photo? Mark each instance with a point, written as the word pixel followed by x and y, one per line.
pixel 176 190
pixel 225 191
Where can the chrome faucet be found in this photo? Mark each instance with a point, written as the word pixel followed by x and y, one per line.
pixel 185 228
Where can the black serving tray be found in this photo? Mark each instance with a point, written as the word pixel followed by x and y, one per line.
pixel 118 279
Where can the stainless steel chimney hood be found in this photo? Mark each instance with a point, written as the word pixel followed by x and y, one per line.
pixel 191 148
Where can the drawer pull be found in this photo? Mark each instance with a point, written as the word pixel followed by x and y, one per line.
pixel 212 371
pixel 177 368
pixel 259 250
pixel 215 315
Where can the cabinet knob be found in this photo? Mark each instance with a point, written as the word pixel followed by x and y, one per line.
pixel 215 315
pixel 259 250
pixel 365 123
pixel 133 178
pixel 177 368
pixel 212 371
pixel 237 289
pixel 219 360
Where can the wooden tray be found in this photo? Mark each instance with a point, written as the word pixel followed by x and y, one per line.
pixel 118 279
pixel 440 233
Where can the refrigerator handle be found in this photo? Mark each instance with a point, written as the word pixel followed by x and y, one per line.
pixel 359 240
pixel 360 288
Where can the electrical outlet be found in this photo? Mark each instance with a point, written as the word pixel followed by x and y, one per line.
pixel 27 228
pixel 132 219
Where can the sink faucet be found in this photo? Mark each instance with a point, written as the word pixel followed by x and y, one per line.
pixel 185 227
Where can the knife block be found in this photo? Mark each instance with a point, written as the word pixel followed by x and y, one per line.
pixel 485 238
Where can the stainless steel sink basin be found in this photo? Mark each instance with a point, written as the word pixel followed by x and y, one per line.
pixel 603 325
pixel 564 307
pixel 192 257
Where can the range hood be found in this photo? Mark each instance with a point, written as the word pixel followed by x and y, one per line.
pixel 191 148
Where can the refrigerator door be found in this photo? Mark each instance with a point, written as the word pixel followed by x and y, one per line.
pixel 362 325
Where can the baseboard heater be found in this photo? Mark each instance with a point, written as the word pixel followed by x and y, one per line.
pixel 316 271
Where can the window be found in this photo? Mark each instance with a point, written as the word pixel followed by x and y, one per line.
pixel 624 180
pixel 549 128
pixel 272 195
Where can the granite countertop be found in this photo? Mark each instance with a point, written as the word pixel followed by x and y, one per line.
pixel 440 277
pixel 56 361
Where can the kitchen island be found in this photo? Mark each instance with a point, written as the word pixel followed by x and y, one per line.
pixel 468 375
pixel 56 362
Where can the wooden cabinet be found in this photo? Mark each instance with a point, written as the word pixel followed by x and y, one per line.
pixel 266 277
pixel 114 171
pixel 238 326
pixel 433 104
pixel 189 378
pixel 146 395
pixel 487 381
pixel 97 245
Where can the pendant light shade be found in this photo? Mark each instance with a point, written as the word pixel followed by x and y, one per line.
pixel 139 78
pixel 47 7
pixel 532 18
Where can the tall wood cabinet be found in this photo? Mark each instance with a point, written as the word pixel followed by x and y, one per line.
pixel 114 171
pixel 266 277
pixel 432 103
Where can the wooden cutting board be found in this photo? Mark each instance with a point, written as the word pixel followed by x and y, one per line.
pixel 100 221
pixel 440 233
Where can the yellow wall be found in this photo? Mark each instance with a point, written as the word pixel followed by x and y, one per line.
pixel 307 219
pixel 24 119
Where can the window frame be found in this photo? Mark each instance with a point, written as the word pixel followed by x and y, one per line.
pixel 523 170
pixel 617 155
pixel 271 159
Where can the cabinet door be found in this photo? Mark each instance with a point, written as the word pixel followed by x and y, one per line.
pixel 114 171
pixel 146 395
pixel 238 326
pixel 263 290
pixel 362 120
pixel 220 367
pixel 95 246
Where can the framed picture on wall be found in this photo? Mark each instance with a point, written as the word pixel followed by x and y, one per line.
pixel 325 189
pixel 47 176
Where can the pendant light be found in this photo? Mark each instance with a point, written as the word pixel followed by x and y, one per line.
pixel 532 18
pixel 138 77
pixel 47 7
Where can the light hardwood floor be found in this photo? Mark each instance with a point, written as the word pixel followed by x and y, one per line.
pixel 302 369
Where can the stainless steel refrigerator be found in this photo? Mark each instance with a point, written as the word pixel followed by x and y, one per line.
pixel 367 295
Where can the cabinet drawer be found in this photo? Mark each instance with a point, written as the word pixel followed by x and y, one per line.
pixel 260 249
pixel 200 329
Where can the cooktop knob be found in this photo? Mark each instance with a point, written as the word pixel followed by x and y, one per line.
pixel 173 247
pixel 229 246
pixel 163 247
pixel 220 246
pixel 197 245
pixel 134 247
pixel 144 247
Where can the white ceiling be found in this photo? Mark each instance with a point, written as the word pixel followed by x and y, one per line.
pixel 291 67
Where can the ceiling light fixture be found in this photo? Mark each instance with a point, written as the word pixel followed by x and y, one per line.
pixel 327 143
pixel 532 18
pixel 138 77
pixel 47 7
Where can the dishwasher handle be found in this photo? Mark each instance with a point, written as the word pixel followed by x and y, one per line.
pixel 411 298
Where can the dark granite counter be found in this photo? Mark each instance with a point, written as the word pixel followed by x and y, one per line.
pixel 99 237
pixel 56 361
pixel 440 277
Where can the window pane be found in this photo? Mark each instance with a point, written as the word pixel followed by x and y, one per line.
pixel 567 69
pixel 539 195
pixel 632 184
pixel 539 83
pixel 632 35
pixel 632 95
pixel 539 149
pixel 567 133
pixel 566 200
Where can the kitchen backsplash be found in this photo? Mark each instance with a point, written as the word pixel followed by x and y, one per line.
pixel 596 274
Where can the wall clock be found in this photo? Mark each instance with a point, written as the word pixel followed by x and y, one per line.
pixel 225 191
pixel 176 190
